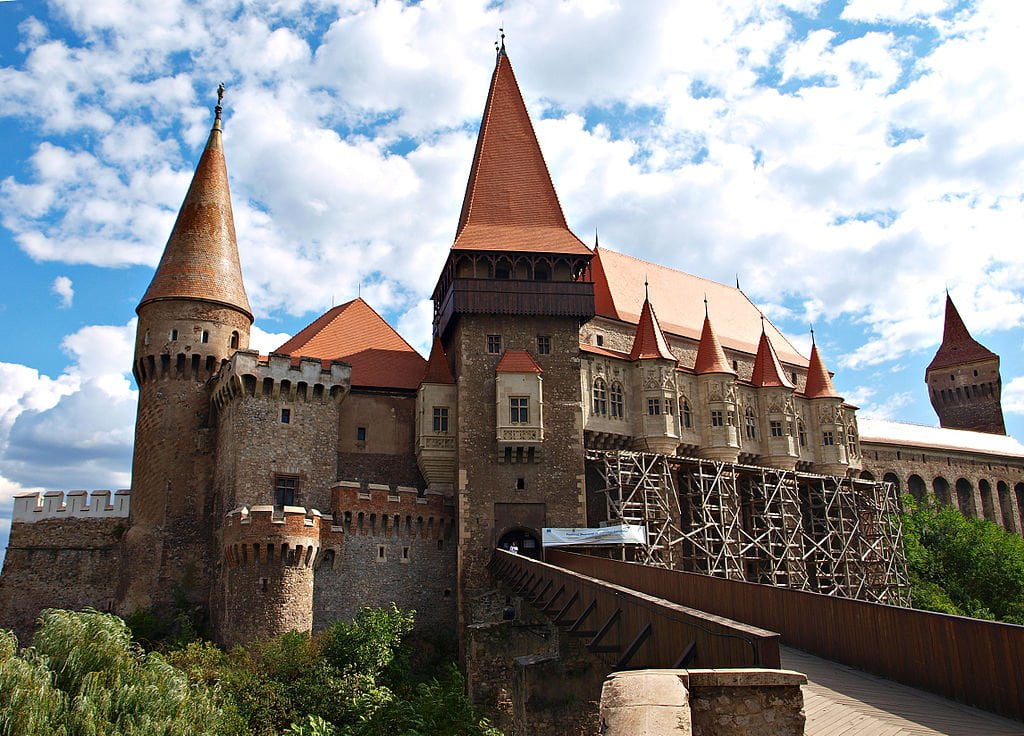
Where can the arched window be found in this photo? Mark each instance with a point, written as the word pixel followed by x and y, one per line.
pixel 941 488
pixel 234 340
pixel 204 336
pixel 684 409
pixel 987 506
pixel 600 397
pixel 751 423
pixel 616 398
pixel 965 497
pixel 892 478
pixel 851 442
pixel 915 484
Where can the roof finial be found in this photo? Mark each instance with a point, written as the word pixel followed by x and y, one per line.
pixel 499 46
pixel 762 321
pixel 596 242
pixel 812 335
pixel 220 102
pixel 706 315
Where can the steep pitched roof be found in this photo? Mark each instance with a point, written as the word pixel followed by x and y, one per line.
pixel 437 365
pixel 768 370
pixel 957 344
pixel 517 361
pixel 355 333
pixel 510 202
pixel 819 382
pixel 710 356
pixel 200 260
pixel 649 341
pixel 619 294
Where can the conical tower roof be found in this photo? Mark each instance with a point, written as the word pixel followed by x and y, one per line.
pixel 710 356
pixel 768 369
pixel 437 366
pixel 957 344
pixel 510 202
pixel 649 341
pixel 819 382
pixel 200 260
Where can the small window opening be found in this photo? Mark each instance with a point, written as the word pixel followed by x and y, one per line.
pixel 263 584
pixel 440 544
pixel 520 484
pixel 494 344
pixel 285 487
pixel 145 341
pixel 234 339
pixel 543 344
pixel 405 553
pixel 174 335
pixel 360 434
pixel 286 416
pixel 735 365
pixel 447 592
pixel 381 552
pixel 599 340
pixel 204 337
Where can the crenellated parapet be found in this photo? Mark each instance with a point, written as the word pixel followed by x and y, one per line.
pixel 32 507
pixel 265 535
pixel 281 377
pixel 401 511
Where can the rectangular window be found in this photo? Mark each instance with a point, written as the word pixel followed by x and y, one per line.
pixel 519 409
pixel 687 415
pixel 599 340
pixel 286 416
pixel 543 344
pixel 827 439
pixel 654 407
pixel 360 434
pixel 285 490
pixel 440 420
pixel 617 402
pixel 670 406
pixel 716 418
pixel 776 428
pixel 494 344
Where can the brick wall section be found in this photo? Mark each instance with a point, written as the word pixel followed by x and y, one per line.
pixel 417 570
pixel 746 702
pixel 57 563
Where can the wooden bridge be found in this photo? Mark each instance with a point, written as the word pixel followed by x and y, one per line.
pixel 645 617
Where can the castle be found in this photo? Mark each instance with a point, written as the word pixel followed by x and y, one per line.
pixel 567 386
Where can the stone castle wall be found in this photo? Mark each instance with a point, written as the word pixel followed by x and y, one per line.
pixel 387 454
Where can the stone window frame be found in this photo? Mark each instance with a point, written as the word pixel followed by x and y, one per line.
pixel 440 420
pixel 717 420
pixel 600 397
pixel 204 336
pixel 616 402
pixel 775 427
pixel 827 438
pixel 801 431
pixel 494 344
pixel 518 409
pixel 654 407
pixel 286 488
pixel 543 344
pixel 233 341
pixel 670 408
pixel 750 419
pixel 686 413
pixel 286 415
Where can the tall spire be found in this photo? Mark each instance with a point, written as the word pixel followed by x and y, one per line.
pixel 819 382
pixel 768 369
pixel 957 344
pixel 437 370
pixel 649 341
pixel 510 202
pixel 200 260
pixel 710 355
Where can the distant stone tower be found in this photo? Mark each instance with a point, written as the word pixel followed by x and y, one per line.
pixel 963 380
pixel 193 316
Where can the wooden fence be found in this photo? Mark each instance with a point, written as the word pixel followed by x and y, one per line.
pixel 980 663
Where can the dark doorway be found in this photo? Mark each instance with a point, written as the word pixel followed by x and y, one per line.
pixel 524 541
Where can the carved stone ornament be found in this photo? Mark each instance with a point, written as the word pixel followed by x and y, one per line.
pixel 715 391
pixel 651 380
pixel 775 405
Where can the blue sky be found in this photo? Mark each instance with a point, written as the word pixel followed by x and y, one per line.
pixel 848 159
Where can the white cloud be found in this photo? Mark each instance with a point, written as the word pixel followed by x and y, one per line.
pixel 265 342
pixel 1013 396
pixel 63 288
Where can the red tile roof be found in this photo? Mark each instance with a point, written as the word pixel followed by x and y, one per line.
pixel 200 260
pixel 649 341
pixel 619 294
pixel 517 361
pixel 710 356
pixel 586 348
pixel 957 344
pixel 768 370
pixel 819 382
pixel 510 202
pixel 355 333
pixel 437 365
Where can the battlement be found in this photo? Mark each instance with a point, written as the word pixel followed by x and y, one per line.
pixel 32 507
pixel 377 509
pixel 280 376
pixel 271 535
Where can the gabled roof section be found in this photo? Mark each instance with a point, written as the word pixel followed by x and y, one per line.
pixel 768 370
pixel 619 294
pixel 819 382
pixel 510 202
pixel 649 341
pixel 517 361
pixel 437 365
pixel 957 344
pixel 355 333
pixel 710 356
pixel 200 260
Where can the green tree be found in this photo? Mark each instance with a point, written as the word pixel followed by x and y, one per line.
pixel 964 566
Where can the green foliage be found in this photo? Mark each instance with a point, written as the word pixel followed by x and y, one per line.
pixel 84 675
pixel 964 566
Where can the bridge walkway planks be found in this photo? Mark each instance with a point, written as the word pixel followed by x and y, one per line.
pixel 843 701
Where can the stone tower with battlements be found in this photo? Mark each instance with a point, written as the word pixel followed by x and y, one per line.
pixel 193 316
pixel 963 380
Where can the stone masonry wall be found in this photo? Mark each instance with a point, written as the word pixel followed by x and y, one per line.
pixel 55 563
pixel 387 454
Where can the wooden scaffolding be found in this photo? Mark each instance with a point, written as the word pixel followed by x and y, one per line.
pixel 828 534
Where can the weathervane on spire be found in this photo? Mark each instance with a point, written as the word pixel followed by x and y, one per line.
pixel 499 46
pixel 706 315
pixel 647 295
pixel 812 334
pixel 762 322
pixel 220 101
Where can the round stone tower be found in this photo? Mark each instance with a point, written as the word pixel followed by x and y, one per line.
pixel 193 316
pixel 267 574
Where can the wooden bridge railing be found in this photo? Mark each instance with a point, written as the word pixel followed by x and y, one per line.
pixel 980 663
pixel 634 630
